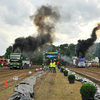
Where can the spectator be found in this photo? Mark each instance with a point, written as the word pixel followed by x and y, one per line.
pixel 2 65
pixel 97 65
pixel 51 66
pixel 54 67
pixel 42 66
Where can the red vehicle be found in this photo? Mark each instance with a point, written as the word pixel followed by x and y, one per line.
pixel 4 61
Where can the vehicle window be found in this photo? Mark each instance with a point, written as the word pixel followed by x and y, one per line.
pixel 15 57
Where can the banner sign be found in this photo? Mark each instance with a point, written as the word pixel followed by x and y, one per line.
pixel 51 55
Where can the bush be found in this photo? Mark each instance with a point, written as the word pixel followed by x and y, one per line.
pixel 59 66
pixel 71 77
pixel 65 72
pixel 88 90
pixel 62 69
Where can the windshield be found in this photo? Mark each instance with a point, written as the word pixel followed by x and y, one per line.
pixel 14 57
pixel 81 60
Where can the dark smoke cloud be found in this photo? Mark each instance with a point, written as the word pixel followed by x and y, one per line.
pixel 83 45
pixel 45 19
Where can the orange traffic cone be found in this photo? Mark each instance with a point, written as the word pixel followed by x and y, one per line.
pixel 38 70
pixel 24 75
pixel 5 83
pixel 33 72
pixel 6 66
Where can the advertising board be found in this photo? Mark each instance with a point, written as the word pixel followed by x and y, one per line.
pixel 51 55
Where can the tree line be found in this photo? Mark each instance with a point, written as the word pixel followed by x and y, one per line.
pixel 67 50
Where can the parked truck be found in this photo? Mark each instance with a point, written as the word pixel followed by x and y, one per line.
pixel 16 61
pixel 4 61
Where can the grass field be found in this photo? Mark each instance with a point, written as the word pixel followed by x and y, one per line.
pixel 56 86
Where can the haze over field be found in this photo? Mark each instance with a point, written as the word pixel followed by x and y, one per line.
pixel 77 20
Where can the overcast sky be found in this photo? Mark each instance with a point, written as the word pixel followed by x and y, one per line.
pixel 78 18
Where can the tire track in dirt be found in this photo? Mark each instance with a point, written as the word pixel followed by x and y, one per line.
pixel 39 81
pixel 47 80
pixel 7 74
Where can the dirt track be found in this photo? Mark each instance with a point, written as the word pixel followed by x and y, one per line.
pixel 7 74
pixel 48 82
pixel 93 72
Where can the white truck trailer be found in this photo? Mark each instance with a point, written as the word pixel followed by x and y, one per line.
pixel 26 63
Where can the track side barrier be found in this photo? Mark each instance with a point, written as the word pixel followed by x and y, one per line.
pixel 24 90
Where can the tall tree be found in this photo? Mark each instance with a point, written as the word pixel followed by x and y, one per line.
pixel 40 59
pixel 8 51
pixel 53 48
pixel 68 52
pixel 72 48
pixel 89 56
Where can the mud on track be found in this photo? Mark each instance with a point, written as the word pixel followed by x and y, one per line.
pixel 8 74
pixel 93 72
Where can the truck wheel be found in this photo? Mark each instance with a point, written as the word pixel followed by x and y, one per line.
pixel 20 67
pixel 10 68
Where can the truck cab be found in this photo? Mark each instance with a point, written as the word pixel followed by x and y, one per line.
pixel 16 60
pixel 81 62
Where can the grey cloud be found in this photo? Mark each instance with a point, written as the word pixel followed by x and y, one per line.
pixel 14 12
pixel 18 12
pixel 87 10
pixel 71 29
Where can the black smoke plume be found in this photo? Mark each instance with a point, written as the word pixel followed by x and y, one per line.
pixel 83 45
pixel 45 19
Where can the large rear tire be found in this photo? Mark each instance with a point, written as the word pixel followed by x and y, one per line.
pixel 10 67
